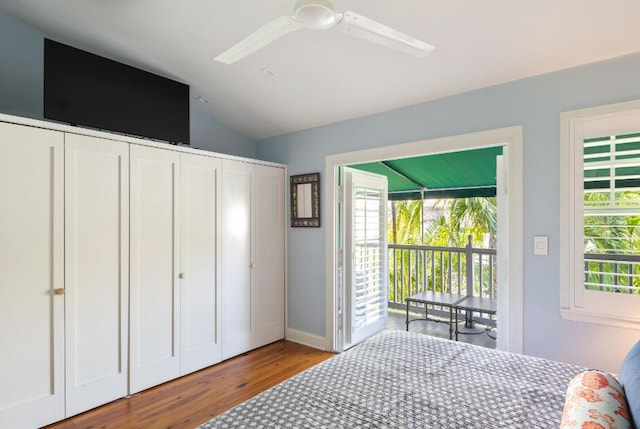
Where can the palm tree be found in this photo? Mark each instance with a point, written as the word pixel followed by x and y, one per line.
pixel 463 218
pixel 475 216
pixel 405 228
pixel 613 235
pixel 459 219
pixel 406 218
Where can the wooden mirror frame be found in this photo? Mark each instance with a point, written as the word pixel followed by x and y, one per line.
pixel 312 197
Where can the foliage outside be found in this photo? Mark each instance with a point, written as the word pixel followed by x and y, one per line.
pixel 609 233
pixel 444 227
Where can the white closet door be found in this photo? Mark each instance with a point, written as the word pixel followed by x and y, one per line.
pixel 200 298
pixel 96 271
pixel 238 323
pixel 270 256
pixel 155 294
pixel 31 263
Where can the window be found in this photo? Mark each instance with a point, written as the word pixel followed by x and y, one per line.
pixel 600 215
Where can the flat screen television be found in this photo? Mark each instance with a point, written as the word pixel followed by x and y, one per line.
pixel 84 89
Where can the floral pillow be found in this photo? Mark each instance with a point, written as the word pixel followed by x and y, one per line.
pixel 595 400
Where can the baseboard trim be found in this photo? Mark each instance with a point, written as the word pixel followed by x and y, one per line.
pixel 307 339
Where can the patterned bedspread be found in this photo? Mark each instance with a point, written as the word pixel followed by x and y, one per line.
pixel 406 380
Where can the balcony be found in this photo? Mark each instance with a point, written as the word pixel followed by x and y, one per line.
pixel 472 271
pixel 467 271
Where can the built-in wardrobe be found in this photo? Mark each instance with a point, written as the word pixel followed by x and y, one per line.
pixel 126 263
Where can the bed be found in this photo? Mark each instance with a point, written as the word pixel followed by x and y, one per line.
pixel 400 379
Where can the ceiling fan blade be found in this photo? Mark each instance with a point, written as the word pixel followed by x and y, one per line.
pixel 373 31
pixel 261 37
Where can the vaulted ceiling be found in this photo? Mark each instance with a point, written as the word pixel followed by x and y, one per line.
pixel 310 78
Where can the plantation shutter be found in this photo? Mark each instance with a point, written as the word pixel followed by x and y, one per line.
pixel 611 213
pixel 366 254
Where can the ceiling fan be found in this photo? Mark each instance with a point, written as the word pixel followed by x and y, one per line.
pixel 321 15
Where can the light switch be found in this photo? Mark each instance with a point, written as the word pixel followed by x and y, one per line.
pixel 540 245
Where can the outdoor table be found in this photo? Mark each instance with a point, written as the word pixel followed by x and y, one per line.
pixel 435 298
pixel 480 305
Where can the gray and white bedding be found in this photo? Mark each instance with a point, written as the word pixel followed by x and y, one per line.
pixel 401 379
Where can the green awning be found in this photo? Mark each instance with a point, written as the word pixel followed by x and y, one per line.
pixel 470 173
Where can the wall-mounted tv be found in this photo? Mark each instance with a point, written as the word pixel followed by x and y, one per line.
pixel 84 89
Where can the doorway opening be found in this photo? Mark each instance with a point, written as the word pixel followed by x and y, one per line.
pixel 510 274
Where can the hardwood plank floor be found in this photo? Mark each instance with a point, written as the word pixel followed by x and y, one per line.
pixel 196 398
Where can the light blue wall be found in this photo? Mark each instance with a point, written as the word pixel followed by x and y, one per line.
pixel 21 89
pixel 209 134
pixel 535 103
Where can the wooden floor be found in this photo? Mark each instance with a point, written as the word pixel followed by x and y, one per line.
pixel 194 399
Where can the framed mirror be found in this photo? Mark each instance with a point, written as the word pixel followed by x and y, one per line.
pixel 305 199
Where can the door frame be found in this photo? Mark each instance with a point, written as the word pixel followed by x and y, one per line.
pixel 512 138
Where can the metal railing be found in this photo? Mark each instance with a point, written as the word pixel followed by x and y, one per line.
pixel 612 273
pixel 472 271
pixel 461 270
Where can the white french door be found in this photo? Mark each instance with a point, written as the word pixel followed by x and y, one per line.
pixel 502 254
pixel 365 256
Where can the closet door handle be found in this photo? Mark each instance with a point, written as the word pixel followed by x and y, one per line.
pixel 182 276
pixel 252 265
pixel 59 291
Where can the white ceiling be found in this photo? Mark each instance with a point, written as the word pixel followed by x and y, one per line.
pixel 324 77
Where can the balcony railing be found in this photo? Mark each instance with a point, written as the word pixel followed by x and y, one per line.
pixel 472 271
pixel 612 273
pixel 464 270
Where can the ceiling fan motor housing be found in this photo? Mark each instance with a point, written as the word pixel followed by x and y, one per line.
pixel 315 14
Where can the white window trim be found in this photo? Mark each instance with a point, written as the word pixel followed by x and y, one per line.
pixel 571 256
